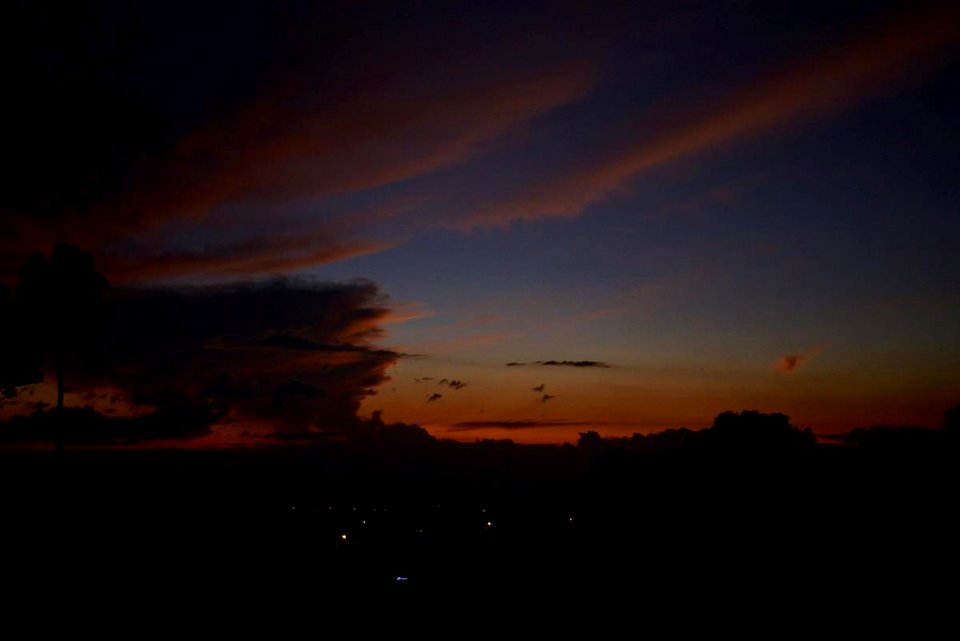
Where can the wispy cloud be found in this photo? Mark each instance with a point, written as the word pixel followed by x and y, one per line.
pixel 383 132
pixel 260 257
pixel 837 78
pixel 318 114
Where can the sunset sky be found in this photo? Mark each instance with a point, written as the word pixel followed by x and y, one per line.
pixel 652 211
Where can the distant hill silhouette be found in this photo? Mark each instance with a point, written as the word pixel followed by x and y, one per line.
pixel 743 433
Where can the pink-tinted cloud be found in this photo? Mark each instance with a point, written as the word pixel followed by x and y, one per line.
pixel 837 78
pixel 312 145
pixel 383 109
pixel 258 257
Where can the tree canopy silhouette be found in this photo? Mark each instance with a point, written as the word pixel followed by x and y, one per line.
pixel 750 431
pixel 59 303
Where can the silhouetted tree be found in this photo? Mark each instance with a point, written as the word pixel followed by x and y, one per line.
pixel 752 431
pixel 59 298
pixel 669 439
pixel 589 440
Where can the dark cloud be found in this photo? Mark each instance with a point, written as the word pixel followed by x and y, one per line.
pixel 575 363
pixel 97 90
pixel 553 363
pixel 178 418
pixel 296 343
pixel 467 426
pixel 423 379
pixel 434 397
pixel 294 355
pixel 452 383
pixel 295 352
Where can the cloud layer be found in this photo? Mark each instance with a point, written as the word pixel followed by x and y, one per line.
pixel 826 82
pixel 125 120
pixel 175 141
pixel 292 356
pixel 295 351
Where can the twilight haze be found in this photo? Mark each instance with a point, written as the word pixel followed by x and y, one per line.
pixel 495 220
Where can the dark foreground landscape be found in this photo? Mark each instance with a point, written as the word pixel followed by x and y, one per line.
pixel 236 235
pixel 751 503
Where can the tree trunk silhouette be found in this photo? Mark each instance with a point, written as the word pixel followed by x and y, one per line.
pixel 60 418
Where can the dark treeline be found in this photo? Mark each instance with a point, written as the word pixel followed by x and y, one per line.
pixel 677 512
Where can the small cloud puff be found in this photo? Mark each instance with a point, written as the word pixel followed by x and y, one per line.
pixel 789 363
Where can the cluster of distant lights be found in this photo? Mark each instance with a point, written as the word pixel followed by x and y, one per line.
pixel 343 538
